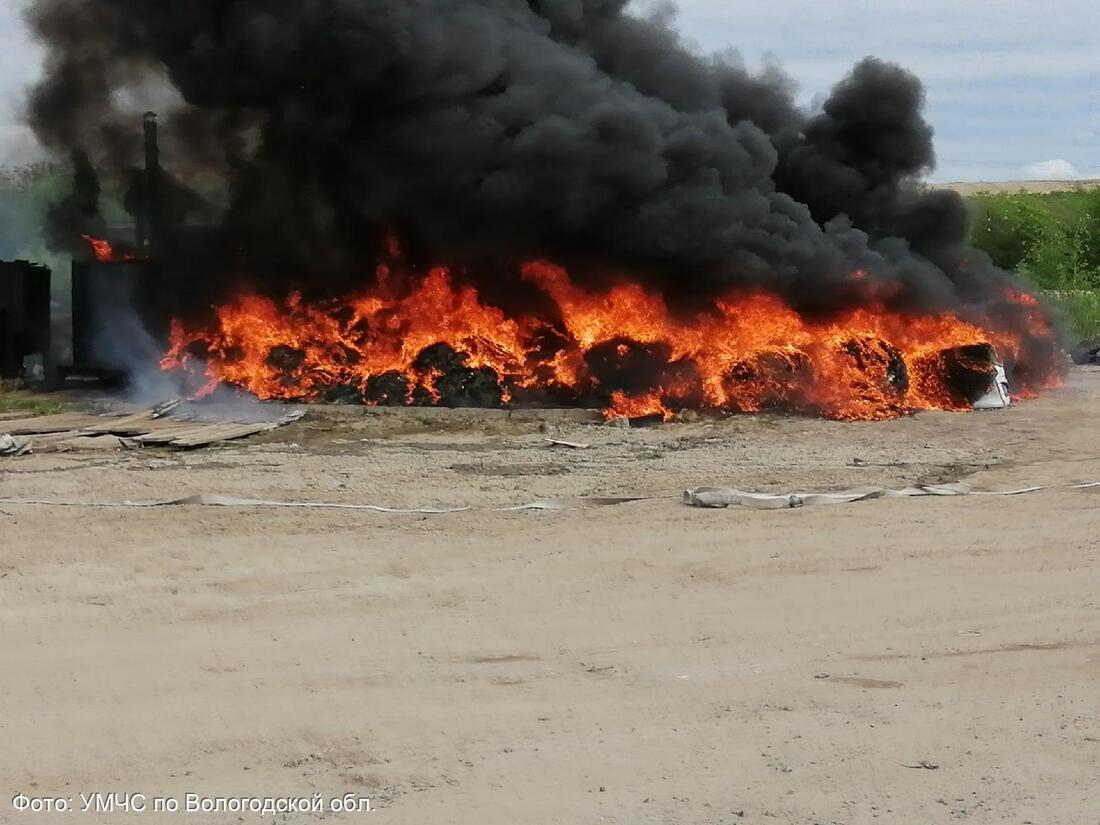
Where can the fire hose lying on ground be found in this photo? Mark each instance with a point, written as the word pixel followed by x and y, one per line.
pixel 706 497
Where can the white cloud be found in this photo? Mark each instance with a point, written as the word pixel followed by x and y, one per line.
pixel 18 146
pixel 1057 169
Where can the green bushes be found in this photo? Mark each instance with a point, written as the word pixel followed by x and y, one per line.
pixel 1051 239
pixel 25 195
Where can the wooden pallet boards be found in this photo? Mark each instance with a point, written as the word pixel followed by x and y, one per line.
pixel 59 423
pixel 164 425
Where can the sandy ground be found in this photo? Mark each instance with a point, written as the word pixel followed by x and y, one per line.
pixel 908 661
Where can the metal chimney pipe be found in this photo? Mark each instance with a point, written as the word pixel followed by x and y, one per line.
pixel 149 221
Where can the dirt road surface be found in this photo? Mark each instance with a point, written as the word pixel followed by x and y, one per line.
pixel 905 661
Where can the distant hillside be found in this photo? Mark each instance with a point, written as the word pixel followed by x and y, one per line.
pixel 1040 187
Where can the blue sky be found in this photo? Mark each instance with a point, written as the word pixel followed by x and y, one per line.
pixel 1013 85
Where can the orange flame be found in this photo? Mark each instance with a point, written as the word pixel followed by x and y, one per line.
pixel 623 347
pixel 105 253
pixel 100 248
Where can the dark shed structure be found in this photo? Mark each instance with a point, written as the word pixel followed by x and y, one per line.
pixel 24 320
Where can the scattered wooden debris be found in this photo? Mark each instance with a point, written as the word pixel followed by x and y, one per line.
pixel 172 424
pixel 45 424
pixel 1087 352
pixel 573 445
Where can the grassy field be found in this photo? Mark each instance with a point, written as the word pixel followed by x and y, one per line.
pixel 1053 240
pixel 1047 231
pixel 25 195
pixel 14 401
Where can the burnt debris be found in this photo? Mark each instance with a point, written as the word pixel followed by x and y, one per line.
pixel 1086 352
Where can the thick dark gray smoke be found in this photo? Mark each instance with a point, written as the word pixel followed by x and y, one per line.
pixel 490 131
pixel 77 213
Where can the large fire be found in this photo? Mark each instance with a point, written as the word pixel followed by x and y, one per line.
pixel 437 342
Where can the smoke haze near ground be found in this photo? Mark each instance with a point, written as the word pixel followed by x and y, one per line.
pixel 492 131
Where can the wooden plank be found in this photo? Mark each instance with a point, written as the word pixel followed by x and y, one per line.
pixel 222 432
pixel 88 442
pixel 158 417
pixel 234 431
pixel 157 426
pixel 43 424
pixel 85 422
pixel 51 438
pixel 123 425
pixel 166 435
pixel 229 432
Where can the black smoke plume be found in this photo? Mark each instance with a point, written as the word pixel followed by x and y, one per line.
pixel 486 132
pixel 76 214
